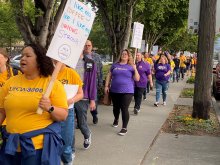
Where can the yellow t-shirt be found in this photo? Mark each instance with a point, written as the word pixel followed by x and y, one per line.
pixel 3 79
pixel 182 60
pixel 149 60
pixel 20 98
pixel 172 65
pixel 69 76
pixel 4 76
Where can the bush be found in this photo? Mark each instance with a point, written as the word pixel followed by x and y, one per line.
pixel 191 80
pixel 187 92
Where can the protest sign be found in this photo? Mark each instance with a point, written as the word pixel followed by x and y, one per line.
pixel 155 49
pixel 137 35
pixel 71 33
pixel 69 38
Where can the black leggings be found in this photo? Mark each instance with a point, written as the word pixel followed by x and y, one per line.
pixel 121 101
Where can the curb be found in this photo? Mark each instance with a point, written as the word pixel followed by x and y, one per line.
pixel 216 108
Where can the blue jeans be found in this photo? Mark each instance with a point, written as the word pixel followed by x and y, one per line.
pixel 81 108
pixel 176 74
pixel 68 135
pixel 161 86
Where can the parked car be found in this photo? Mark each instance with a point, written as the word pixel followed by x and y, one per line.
pixel 216 80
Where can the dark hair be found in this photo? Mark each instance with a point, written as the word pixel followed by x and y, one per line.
pixel 4 52
pixel 45 63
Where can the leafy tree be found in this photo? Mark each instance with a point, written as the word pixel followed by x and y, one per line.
pixel 162 19
pixel 117 19
pixel 37 19
pixel 9 33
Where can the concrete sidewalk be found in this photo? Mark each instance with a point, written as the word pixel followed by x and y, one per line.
pixel 143 142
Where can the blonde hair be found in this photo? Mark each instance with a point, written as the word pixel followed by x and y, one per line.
pixel 130 58
pixel 4 52
pixel 163 56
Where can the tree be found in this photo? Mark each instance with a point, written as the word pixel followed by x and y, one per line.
pixel 162 19
pixel 9 33
pixel 202 90
pixel 37 20
pixel 117 20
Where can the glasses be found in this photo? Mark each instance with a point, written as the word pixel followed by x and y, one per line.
pixel 88 45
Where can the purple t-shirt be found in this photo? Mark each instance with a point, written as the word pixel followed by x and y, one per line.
pixel 143 69
pixel 122 78
pixel 160 70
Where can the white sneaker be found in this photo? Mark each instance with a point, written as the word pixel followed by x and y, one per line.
pixel 87 142
pixel 156 104
pixel 164 103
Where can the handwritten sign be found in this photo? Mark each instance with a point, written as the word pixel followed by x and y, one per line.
pixel 71 33
pixel 137 35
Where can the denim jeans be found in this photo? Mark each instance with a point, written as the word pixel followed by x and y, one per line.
pixel 161 86
pixel 17 159
pixel 176 74
pixel 68 135
pixel 81 108
pixel 138 92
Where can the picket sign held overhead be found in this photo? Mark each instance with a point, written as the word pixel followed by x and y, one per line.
pixel 70 36
pixel 137 35
pixel 136 40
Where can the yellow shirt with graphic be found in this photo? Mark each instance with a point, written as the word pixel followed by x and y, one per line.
pixel 20 98
pixel 182 60
pixel 69 76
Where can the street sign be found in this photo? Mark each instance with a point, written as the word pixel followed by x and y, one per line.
pixel 194 14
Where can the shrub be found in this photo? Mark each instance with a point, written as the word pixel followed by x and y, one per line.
pixel 191 80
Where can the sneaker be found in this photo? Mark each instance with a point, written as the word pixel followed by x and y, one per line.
pixel 115 123
pixel 71 163
pixel 145 98
pixel 87 142
pixel 95 119
pixel 156 104
pixel 135 111
pixel 164 103
pixel 123 132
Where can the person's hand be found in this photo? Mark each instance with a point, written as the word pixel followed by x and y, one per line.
pixel 106 90
pixel 45 103
pixel 70 101
pixel 92 105
pixel 134 66
pixel 151 85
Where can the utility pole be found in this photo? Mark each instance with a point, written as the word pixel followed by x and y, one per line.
pixel 202 89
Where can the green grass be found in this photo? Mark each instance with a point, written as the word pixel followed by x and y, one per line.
pixel 187 92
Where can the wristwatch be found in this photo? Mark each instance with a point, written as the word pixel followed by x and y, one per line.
pixel 51 109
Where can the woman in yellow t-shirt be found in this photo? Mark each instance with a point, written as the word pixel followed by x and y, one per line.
pixel 30 137
pixel 6 70
pixel 69 77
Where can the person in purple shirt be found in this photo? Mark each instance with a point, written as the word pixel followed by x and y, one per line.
pixel 122 75
pixel 144 71
pixel 162 74
pixel 87 70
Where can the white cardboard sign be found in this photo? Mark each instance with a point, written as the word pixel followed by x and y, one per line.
pixel 71 33
pixel 137 35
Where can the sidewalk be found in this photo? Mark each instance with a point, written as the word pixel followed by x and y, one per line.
pixel 143 142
